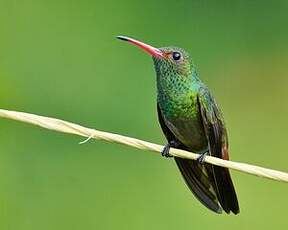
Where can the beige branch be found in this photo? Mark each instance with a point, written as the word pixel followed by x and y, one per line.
pixel 68 127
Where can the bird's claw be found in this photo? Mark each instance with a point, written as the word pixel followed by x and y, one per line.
pixel 165 151
pixel 201 158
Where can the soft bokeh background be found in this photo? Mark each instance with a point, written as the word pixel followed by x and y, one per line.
pixel 61 59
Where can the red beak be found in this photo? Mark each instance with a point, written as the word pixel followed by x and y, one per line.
pixel 149 49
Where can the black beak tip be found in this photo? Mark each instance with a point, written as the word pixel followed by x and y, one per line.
pixel 123 38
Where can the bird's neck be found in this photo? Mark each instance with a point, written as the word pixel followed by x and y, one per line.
pixel 175 85
pixel 176 93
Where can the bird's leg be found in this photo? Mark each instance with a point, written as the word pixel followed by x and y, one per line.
pixel 166 149
pixel 202 156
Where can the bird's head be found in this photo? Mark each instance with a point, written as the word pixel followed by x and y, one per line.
pixel 168 61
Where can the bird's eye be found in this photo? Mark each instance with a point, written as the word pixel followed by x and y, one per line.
pixel 176 56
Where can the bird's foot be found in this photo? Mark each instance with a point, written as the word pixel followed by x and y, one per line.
pixel 202 156
pixel 166 149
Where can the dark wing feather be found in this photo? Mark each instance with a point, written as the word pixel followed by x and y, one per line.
pixel 218 147
pixel 195 175
pixel 198 183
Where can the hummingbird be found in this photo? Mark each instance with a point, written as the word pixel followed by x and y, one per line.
pixel 191 120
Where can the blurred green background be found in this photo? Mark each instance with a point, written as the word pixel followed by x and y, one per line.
pixel 61 59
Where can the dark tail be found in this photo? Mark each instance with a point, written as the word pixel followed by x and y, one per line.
pixel 200 185
pixel 225 190
pixel 210 184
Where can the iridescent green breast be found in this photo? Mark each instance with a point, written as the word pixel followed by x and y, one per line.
pixel 182 116
pixel 176 103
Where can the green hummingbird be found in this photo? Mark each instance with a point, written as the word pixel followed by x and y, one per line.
pixel 191 120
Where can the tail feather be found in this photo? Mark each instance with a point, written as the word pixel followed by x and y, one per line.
pixel 225 189
pixel 199 183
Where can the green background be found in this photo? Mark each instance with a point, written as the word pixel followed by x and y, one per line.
pixel 61 59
